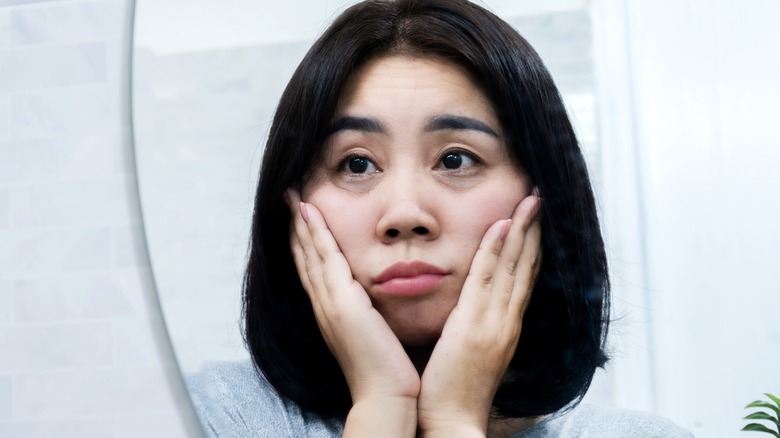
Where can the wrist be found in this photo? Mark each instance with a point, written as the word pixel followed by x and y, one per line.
pixel 382 416
pixel 452 424
pixel 459 430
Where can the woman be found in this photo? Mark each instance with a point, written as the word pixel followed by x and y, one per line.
pixel 426 256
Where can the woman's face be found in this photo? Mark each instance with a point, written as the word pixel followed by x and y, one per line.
pixel 414 173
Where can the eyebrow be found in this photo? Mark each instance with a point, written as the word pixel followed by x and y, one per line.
pixel 362 124
pixel 445 122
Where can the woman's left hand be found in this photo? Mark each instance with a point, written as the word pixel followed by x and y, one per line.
pixel 481 334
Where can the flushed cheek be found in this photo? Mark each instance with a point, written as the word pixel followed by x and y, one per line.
pixel 484 210
pixel 348 218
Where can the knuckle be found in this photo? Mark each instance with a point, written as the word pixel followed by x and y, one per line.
pixel 307 262
pixel 509 290
pixel 511 268
pixel 486 280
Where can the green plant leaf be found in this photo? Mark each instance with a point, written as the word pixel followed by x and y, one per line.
pixel 755 427
pixel 763 404
pixel 761 416
pixel 774 399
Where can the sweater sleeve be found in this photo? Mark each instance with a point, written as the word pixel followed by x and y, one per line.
pixel 234 399
pixel 588 421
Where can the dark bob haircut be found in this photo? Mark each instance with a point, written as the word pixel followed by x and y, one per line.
pixel 565 326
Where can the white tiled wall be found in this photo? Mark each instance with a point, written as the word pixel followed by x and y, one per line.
pixel 83 350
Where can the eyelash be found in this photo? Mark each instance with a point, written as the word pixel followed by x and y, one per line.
pixel 343 165
pixel 465 153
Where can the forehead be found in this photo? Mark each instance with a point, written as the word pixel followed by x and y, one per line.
pixel 425 81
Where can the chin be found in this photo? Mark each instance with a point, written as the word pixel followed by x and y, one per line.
pixel 422 332
pixel 417 323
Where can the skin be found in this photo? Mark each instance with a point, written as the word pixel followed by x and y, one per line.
pixel 417 170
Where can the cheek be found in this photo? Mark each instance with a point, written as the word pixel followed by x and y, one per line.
pixel 348 217
pixel 486 207
pixel 471 227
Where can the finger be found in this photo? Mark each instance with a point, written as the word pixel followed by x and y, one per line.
pixel 292 197
pixel 308 262
pixel 529 266
pixel 336 272
pixel 303 274
pixel 483 266
pixel 322 239
pixel 509 261
pixel 539 259
pixel 300 263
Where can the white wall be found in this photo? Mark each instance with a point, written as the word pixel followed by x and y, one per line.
pixel 83 351
pixel 689 101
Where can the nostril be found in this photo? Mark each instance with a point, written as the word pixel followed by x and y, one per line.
pixel 393 232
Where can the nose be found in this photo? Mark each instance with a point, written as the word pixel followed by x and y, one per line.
pixel 408 211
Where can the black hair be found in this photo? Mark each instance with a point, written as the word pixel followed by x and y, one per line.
pixel 565 326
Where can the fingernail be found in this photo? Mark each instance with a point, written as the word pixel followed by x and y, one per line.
pixel 304 212
pixel 538 205
pixel 505 228
pixel 535 191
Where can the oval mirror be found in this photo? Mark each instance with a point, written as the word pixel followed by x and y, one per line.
pixel 206 80
pixel 680 160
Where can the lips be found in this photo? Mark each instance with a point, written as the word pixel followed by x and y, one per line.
pixel 409 278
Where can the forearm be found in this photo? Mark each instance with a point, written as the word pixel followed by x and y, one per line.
pixel 396 417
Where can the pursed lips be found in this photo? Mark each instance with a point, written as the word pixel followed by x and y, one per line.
pixel 409 278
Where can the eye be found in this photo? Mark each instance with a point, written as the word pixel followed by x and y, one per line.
pixel 457 159
pixel 358 164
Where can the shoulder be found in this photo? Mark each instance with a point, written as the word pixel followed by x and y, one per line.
pixel 589 421
pixel 235 399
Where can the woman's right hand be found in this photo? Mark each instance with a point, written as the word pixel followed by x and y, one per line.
pixel 382 380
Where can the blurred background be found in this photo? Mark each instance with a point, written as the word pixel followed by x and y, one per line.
pixel 126 188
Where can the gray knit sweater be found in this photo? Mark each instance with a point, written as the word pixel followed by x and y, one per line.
pixel 233 399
